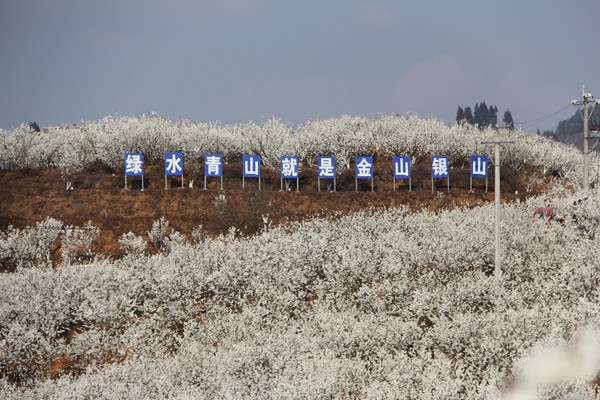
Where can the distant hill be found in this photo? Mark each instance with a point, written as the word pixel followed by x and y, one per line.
pixel 571 130
pixel 574 138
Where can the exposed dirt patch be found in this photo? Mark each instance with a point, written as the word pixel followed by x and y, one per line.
pixel 98 195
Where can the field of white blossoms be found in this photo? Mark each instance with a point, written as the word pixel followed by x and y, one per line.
pixel 375 305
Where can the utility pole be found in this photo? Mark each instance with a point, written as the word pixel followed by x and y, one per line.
pixel 497 164
pixel 587 97
pixel 586 143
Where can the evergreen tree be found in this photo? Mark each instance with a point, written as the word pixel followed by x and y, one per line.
pixel 468 115
pixel 508 120
pixel 34 127
pixel 460 115
pixel 551 135
pixel 574 124
pixel 477 116
pixel 493 116
pixel 485 115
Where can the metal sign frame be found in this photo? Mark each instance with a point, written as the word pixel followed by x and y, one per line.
pixel 173 158
pixel 474 173
pixel 368 163
pixel 134 173
pixel 321 168
pixel 440 176
pixel 208 163
pixel 246 173
pixel 401 174
pixel 293 160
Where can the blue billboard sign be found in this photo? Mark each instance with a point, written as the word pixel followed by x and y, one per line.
pixel 134 164
pixel 251 166
pixel 364 167
pixel 289 167
pixel 401 167
pixel 479 166
pixel 326 166
pixel 213 165
pixel 439 167
pixel 173 164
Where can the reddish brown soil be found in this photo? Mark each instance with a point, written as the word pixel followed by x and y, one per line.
pixel 99 196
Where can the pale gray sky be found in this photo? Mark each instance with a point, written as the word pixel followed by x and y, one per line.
pixel 63 61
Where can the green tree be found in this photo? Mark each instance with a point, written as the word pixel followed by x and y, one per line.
pixel 485 115
pixel 574 124
pixel 468 115
pixel 460 115
pixel 34 127
pixel 508 120
pixel 477 116
pixel 493 112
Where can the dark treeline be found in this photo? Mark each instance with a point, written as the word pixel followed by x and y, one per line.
pixel 568 130
pixel 483 116
pixel 574 124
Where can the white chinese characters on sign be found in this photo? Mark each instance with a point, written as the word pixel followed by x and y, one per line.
pixel 364 167
pixel 213 165
pixel 439 167
pixel 134 164
pixel 326 167
pixel 401 167
pixel 251 166
pixel 173 164
pixel 479 166
pixel 289 167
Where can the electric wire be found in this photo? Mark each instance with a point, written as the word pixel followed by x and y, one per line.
pixel 532 122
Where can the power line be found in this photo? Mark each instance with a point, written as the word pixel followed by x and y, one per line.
pixel 541 119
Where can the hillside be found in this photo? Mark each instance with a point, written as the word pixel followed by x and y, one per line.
pixel 98 196
pixel 267 294
pixel 36 168
pixel 570 130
